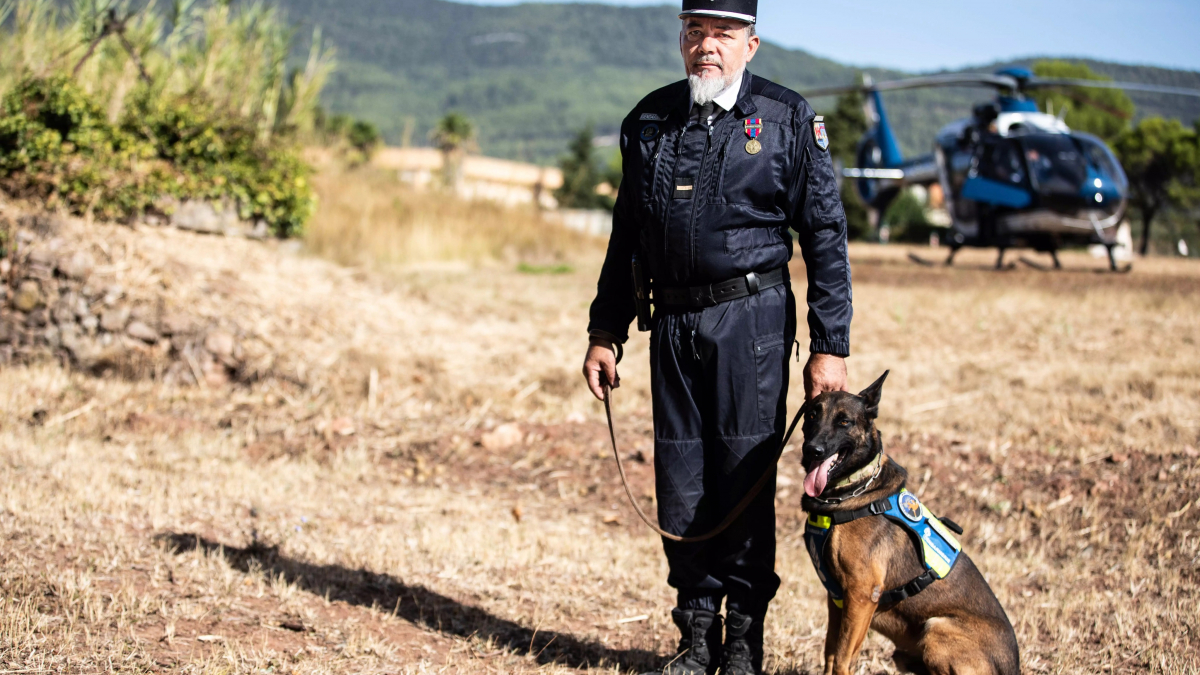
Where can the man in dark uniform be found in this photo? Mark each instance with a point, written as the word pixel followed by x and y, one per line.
pixel 717 169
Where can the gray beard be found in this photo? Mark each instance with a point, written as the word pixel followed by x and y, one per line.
pixel 706 89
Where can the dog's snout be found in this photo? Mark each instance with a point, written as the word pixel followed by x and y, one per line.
pixel 814 450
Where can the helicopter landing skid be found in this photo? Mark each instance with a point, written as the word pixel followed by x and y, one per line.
pixel 1039 266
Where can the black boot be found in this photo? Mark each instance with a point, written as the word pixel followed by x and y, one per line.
pixel 743 645
pixel 700 636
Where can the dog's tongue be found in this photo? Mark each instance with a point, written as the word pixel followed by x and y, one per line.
pixel 814 482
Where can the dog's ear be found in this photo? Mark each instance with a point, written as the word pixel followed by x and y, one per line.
pixel 871 396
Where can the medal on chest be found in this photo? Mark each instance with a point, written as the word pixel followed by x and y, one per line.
pixel 754 129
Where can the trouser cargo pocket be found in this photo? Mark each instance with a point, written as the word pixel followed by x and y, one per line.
pixel 768 359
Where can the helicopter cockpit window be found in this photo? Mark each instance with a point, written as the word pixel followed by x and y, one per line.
pixel 1056 165
pixel 1001 161
pixel 1101 160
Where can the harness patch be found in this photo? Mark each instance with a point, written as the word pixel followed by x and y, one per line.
pixel 649 132
pixel 939 549
pixel 910 507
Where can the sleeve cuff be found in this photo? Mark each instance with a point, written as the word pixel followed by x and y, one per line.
pixel 831 347
pixel 605 335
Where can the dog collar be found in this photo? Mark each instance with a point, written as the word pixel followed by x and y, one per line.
pixel 869 470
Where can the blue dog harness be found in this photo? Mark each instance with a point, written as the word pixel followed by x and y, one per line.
pixel 939 548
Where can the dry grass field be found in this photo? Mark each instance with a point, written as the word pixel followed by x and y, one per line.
pixel 420 484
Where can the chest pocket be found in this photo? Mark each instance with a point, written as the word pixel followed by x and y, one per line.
pixel 651 145
pixel 751 178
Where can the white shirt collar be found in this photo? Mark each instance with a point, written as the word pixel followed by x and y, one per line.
pixel 729 98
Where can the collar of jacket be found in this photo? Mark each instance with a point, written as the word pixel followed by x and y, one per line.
pixel 743 108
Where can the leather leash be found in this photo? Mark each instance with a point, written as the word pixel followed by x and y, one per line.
pixel 737 510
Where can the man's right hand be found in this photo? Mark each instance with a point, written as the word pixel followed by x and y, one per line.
pixel 601 359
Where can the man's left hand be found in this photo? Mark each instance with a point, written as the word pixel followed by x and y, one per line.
pixel 823 373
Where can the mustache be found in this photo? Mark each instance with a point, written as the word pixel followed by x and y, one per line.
pixel 709 59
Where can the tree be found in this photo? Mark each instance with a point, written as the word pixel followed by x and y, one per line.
pixel 454 135
pixel 846 126
pixel 1103 112
pixel 1162 160
pixel 582 174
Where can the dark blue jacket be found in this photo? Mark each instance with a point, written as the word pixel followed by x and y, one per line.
pixel 735 218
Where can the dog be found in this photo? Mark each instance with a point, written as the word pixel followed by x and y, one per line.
pixel 886 561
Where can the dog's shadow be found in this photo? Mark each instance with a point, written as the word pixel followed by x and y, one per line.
pixel 418 605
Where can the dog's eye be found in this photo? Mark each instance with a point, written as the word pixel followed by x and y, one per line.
pixel 843 422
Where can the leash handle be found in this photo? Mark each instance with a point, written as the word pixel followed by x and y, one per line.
pixel 737 510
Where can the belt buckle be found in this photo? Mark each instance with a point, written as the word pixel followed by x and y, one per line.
pixel 703 296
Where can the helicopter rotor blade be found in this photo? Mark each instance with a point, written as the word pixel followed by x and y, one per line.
pixel 950 80
pixel 1105 84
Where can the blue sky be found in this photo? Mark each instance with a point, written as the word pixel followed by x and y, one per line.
pixel 944 34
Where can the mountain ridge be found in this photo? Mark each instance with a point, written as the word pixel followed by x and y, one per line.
pixel 531 75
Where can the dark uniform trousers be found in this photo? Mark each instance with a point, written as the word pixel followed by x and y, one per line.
pixel 719 377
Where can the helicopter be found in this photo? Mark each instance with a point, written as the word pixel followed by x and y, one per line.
pixel 1012 175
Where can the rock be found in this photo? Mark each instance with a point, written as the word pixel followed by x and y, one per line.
pixel 52 336
pixel 78 266
pixel 5 267
pixel 63 312
pixel 115 319
pixel 38 317
pixel 141 331
pixel 90 323
pixel 112 294
pixel 28 296
pixel 177 323
pixel 219 343
pixel 342 426
pixel 260 230
pixel 503 437
pixel 70 339
pixel 42 257
pixel 204 217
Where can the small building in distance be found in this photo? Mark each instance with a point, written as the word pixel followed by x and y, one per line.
pixel 485 178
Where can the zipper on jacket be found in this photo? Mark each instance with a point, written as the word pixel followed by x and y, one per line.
pixel 657 160
pixel 696 199
pixel 666 216
pixel 719 176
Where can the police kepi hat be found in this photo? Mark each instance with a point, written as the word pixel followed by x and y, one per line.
pixel 742 10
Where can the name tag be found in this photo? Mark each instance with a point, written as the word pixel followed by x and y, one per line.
pixel 685 188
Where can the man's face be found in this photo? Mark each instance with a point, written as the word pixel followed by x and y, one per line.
pixel 716 48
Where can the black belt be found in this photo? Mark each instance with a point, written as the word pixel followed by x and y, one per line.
pixel 714 294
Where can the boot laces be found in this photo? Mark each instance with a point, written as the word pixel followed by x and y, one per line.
pixel 738 658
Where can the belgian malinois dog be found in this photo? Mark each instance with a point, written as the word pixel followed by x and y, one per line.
pixel 888 563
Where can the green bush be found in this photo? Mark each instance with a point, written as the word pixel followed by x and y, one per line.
pixel 906 218
pixel 220 158
pixel 57 144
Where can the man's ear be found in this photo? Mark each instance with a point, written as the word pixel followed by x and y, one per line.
pixel 752 48
pixel 872 394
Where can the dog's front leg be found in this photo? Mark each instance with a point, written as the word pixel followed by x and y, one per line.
pixel 841 649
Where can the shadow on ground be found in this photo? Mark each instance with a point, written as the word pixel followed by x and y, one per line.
pixel 417 605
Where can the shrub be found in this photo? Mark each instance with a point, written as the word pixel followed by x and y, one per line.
pixel 219 158
pixel 57 144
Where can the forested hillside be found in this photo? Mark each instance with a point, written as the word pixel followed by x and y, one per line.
pixel 530 75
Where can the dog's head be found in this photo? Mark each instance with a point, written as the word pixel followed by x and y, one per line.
pixel 839 432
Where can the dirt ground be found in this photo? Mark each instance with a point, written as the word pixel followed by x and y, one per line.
pixel 418 483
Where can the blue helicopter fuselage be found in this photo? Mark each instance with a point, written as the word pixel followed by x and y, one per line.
pixel 1010 174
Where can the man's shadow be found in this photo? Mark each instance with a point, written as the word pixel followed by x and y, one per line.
pixel 417 605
